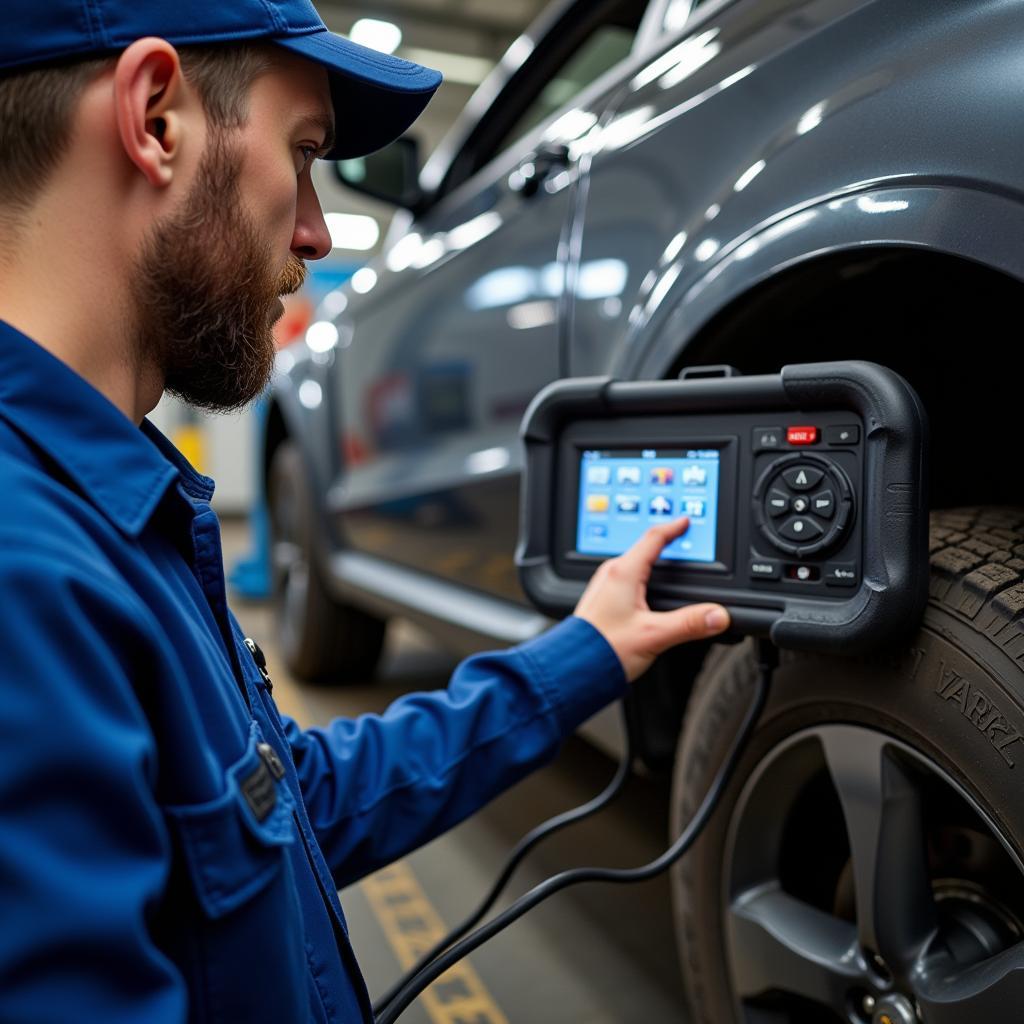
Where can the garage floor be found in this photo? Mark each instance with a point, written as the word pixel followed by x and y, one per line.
pixel 592 955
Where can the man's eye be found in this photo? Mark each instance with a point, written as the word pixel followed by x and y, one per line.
pixel 308 153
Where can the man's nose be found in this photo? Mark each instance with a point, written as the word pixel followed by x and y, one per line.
pixel 311 240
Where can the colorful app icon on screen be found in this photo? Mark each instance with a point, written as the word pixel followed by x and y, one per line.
pixel 627 504
pixel 695 476
pixel 629 475
pixel 662 475
pixel 660 506
pixel 599 475
pixel 597 502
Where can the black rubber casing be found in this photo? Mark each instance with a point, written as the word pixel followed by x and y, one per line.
pixel 891 496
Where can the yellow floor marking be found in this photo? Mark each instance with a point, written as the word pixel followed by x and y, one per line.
pixel 191 442
pixel 412 925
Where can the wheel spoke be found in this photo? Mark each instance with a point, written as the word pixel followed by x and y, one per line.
pixel 895 907
pixel 780 943
pixel 991 991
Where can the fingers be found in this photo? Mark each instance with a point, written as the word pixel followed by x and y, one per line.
pixel 652 542
pixel 694 622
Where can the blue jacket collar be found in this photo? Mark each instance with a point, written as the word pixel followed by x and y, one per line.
pixel 121 469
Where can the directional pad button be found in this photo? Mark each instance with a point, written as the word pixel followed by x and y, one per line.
pixel 800 528
pixel 803 478
pixel 823 504
pixel 803 504
pixel 777 503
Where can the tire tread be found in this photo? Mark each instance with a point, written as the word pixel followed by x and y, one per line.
pixel 977 575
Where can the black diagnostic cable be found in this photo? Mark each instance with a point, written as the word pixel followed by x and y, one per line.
pixel 519 851
pixel 767 662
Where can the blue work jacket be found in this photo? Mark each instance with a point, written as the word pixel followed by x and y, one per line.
pixel 170 845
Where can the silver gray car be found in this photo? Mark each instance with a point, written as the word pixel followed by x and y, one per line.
pixel 644 187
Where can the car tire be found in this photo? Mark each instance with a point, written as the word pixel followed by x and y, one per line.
pixel 321 639
pixel 865 863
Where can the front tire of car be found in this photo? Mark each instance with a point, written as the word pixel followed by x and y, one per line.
pixel 867 861
pixel 321 640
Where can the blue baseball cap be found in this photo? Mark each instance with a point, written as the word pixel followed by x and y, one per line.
pixel 376 96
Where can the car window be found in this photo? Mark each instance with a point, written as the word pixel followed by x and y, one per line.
pixel 591 37
pixel 602 50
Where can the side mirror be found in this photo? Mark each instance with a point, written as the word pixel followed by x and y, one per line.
pixel 391 174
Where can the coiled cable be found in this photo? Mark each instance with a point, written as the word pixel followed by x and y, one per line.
pixel 430 972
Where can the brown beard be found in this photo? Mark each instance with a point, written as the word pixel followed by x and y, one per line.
pixel 206 295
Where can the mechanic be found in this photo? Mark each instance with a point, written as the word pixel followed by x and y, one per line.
pixel 170 846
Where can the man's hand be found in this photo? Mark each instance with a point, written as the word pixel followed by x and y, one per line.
pixel 615 602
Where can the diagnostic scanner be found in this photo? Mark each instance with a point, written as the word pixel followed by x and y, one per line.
pixel 805 491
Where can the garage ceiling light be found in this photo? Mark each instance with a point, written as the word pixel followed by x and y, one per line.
pixel 364 280
pixel 322 336
pixel 352 231
pixel 378 35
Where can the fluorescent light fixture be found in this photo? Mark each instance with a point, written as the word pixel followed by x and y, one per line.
pixel 811 119
pixel 681 61
pixel 352 231
pixel 749 175
pixel 508 286
pixel 572 125
pixel 310 394
pixel 322 336
pixel 364 280
pixel 473 231
pixel 377 35
pixel 502 287
pixel 626 128
pixel 871 205
pixel 706 249
pixel 403 252
pixel 551 280
pixel 599 279
pixel 456 67
pixel 429 253
pixel 334 303
pixel 528 315
pixel 674 248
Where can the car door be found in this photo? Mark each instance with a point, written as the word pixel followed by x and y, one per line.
pixel 451 333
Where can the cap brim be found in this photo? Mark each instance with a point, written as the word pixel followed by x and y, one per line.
pixel 376 96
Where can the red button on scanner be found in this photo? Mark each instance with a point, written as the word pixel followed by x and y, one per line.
pixel 801 435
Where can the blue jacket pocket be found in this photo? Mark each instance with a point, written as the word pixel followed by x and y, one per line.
pixel 234 922
pixel 232 844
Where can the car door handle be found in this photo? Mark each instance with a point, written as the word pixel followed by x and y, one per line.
pixel 528 177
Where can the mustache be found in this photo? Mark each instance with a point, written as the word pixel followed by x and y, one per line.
pixel 293 277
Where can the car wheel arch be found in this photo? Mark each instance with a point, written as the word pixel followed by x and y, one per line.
pixel 936 218
pixel 800 298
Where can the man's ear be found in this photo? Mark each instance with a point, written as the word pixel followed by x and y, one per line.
pixel 148 96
